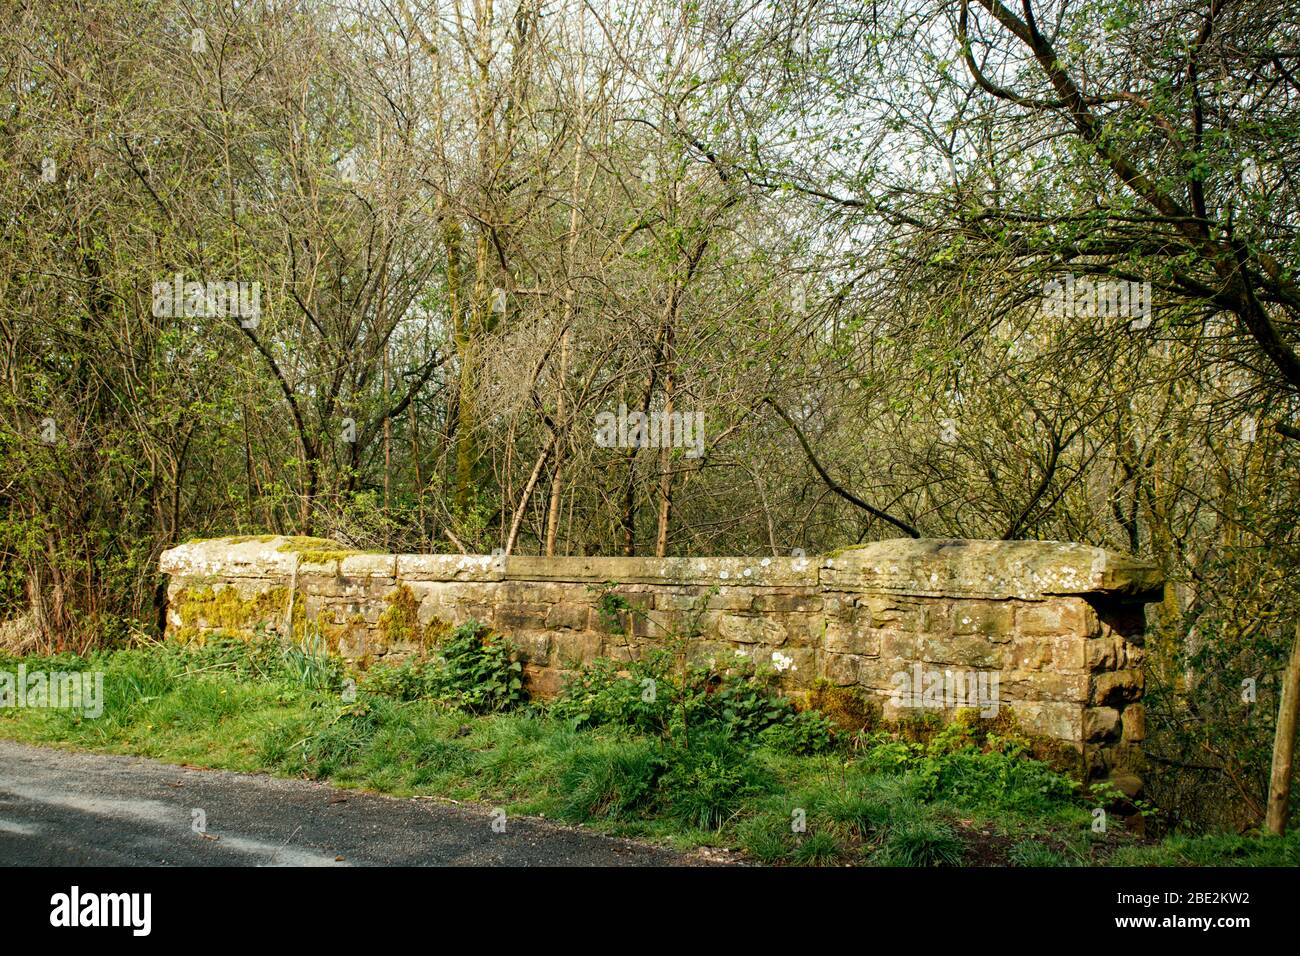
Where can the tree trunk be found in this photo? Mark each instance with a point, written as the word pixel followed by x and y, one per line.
pixel 1279 784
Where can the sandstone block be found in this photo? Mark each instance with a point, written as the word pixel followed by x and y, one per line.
pixel 569 617
pixel 1117 686
pixel 1100 723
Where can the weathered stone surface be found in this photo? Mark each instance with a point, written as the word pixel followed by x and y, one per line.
pixel 751 629
pixel 1135 723
pixel 1059 625
pixel 1054 652
pixel 994 620
pixel 450 567
pixel 970 651
pixel 1056 719
pixel 543 681
pixel 1113 687
pixel 229 557
pixel 1100 723
pixel 570 617
pixel 574 648
pixel 1104 653
pixel 1029 570
pixel 855 637
pixel 534 645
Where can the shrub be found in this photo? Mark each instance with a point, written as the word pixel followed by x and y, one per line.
pixel 647 697
pixel 409 680
pixel 802 732
pixel 602 693
pixel 479 673
pixel 993 780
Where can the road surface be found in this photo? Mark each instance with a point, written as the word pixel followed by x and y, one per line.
pixel 59 808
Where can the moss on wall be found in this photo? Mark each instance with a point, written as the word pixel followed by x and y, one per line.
pixel 400 622
pixel 316 550
pixel 227 610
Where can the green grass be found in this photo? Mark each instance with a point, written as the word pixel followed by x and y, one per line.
pixel 889 803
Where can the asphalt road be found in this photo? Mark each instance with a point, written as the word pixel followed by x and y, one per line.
pixel 59 808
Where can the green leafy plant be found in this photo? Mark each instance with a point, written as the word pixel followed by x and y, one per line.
pixel 479 673
pixel 651 696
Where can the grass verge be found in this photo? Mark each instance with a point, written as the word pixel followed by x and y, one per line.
pixel 699 764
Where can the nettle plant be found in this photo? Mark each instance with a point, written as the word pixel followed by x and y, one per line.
pixel 474 669
pixel 669 694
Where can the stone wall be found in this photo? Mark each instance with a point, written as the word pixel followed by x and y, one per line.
pixel 1059 627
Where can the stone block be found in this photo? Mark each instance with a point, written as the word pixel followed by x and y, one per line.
pixel 1104 653
pixel 853 637
pixel 573 648
pixel 569 617
pixel 1134 720
pixel 535 646
pixel 1114 687
pixel 1100 723
pixel 750 629
pixel 994 620
pixel 543 682
pixel 843 670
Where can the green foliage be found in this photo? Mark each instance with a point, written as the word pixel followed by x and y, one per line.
pixel 648 697
pixel 479 674
pixel 310 664
pixel 612 779
pixel 602 693
pixel 705 783
pixel 1004 781
pixel 412 679
pixel 241 704
pixel 971 768
pixel 611 606
pixel 818 849
pixel 474 670
pixel 1029 853
pixel 920 842
pixel 1215 849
